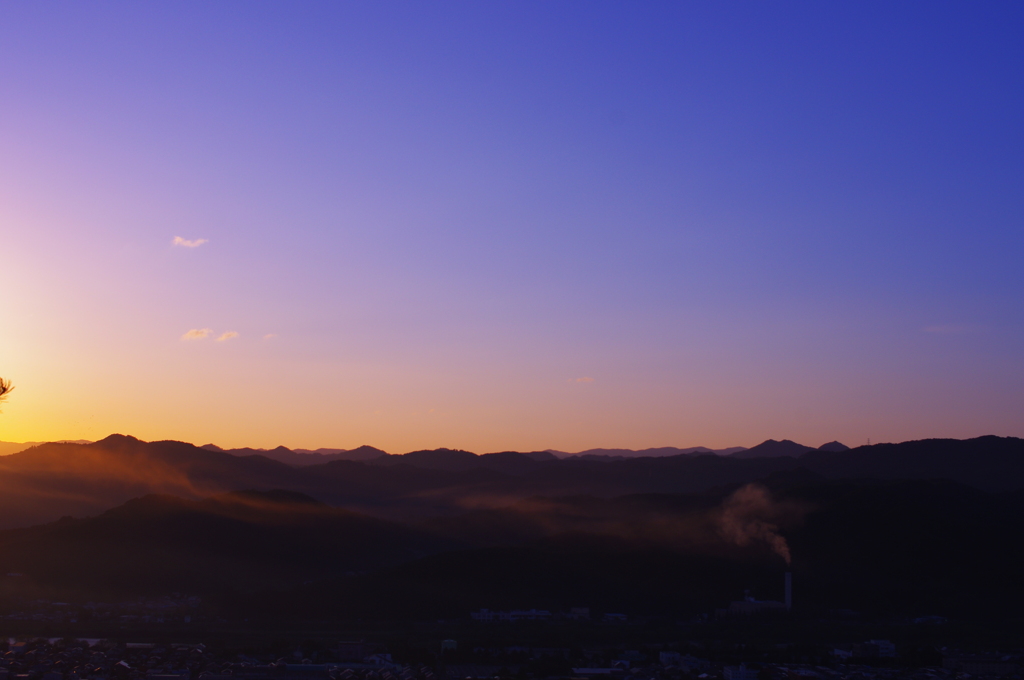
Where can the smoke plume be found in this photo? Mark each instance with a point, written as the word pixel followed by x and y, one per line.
pixel 749 516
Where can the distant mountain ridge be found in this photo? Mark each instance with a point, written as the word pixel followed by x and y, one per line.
pixel 7 448
pixel 661 452
pixel 458 459
pixel 303 457
pixel 52 480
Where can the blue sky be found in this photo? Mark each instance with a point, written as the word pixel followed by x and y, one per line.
pixel 521 225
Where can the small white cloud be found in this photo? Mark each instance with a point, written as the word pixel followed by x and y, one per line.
pixel 179 241
pixel 579 380
pixel 197 334
pixel 227 336
pixel 270 336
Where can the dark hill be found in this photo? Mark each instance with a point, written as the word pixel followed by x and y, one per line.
pixel 834 446
pixel 903 548
pixel 990 463
pixel 52 480
pixel 645 453
pixel 907 548
pixel 910 547
pixel 450 460
pixel 513 462
pixel 774 449
pixel 237 542
pixel 303 457
pixel 660 452
pixel 362 453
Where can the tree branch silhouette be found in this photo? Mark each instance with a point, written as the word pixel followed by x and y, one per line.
pixel 5 389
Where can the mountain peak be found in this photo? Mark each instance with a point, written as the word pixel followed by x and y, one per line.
pixel 366 449
pixel 117 439
pixel 774 449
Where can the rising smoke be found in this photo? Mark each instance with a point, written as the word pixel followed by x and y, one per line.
pixel 751 515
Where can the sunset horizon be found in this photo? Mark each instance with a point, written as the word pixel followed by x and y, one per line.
pixel 532 340
pixel 280 227
pixel 659 450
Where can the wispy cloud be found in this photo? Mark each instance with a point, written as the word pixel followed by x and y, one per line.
pixel 269 336
pixel 227 336
pixel 185 243
pixel 582 380
pixel 197 334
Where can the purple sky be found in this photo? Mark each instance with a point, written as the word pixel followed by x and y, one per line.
pixel 512 225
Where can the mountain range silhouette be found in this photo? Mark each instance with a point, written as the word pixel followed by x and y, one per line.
pixel 48 481
pixel 930 525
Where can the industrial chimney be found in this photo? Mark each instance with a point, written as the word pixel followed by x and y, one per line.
pixel 789 591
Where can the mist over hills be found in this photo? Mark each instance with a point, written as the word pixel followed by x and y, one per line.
pixel 240 541
pixel 876 547
pixel 52 480
pixel 881 547
pixel 930 526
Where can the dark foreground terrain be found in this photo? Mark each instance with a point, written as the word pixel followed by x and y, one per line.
pixel 580 649
pixel 920 543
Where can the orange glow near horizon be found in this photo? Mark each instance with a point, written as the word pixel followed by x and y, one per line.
pixel 405 230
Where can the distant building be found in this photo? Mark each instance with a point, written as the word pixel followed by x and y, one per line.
pixel 872 649
pixel 487 616
pixel 351 650
pixel 596 672
pixel 177 675
pixel 669 658
pixel 740 672
pixel 472 672
pixel 530 615
pixel 749 606
pixel 886 649
pixel 693 664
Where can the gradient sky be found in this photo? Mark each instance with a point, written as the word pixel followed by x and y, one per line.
pixel 512 225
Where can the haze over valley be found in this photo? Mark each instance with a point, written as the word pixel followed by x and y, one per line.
pixel 150 518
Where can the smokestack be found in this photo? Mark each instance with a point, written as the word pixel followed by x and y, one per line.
pixel 789 591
